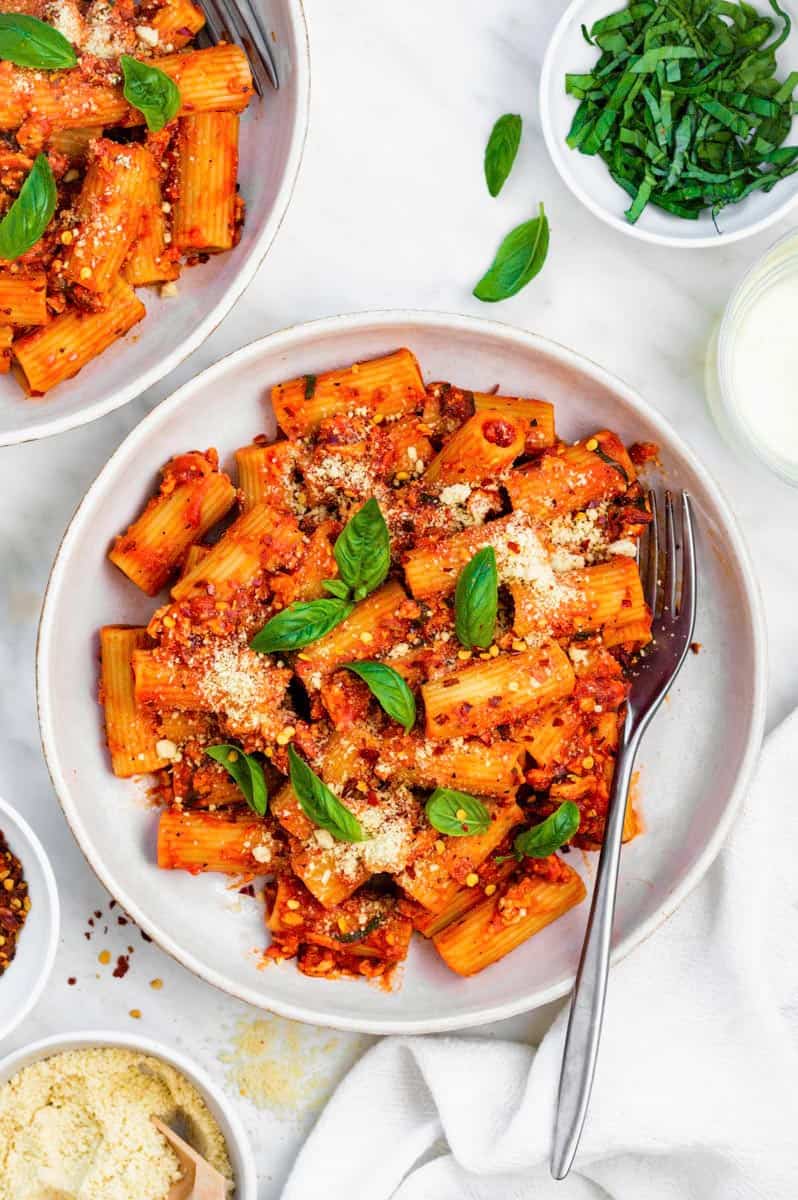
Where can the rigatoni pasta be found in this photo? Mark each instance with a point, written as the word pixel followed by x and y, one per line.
pixel 120 196
pixel 393 660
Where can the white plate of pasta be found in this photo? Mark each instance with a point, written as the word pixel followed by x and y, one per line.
pixel 363 665
pixel 130 152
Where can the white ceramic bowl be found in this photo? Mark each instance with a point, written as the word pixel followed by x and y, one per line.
pixel 588 177
pixel 272 139
pixel 24 980
pixel 696 759
pixel 238 1148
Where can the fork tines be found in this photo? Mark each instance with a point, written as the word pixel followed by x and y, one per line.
pixel 238 21
pixel 670 575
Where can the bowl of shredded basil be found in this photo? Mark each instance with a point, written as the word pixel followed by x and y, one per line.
pixel 675 120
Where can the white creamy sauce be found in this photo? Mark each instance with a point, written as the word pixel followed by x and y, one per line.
pixel 765 367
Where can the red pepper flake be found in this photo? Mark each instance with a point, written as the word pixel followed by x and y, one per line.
pixel 72 981
pixel 122 966
pixel 695 647
pixel 14 903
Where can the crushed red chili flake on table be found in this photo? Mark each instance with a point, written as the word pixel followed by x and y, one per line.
pixel 14 903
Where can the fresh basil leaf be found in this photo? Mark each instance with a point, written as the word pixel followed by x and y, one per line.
pixel 336 587
pixel 151 91
pixel 359 935
pixel 29 42
pixel 319 804
pixel 476 599
pixel 310 387
pixel 611 462
pixel 542 840
pixel 246 771
pixel 300 624
pixel 389 688
pixel 456 813
pixel 500 152
pixel 363 550
pixel 30 214
pixel 518 260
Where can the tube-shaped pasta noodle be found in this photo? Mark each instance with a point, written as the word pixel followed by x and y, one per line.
pixel 57 351
pixel 608 594
pixel 6 340
pixel 204 214
pixel 74 141
pixel 386 386
pixel 23 297
pixel 481 696
pixel 217 79
pixel 375 624
pixel 129 729
pixel 115 190
pixel 434 568
pixel 259 540
pixel 481 937
pixel 265 473
pixel 567 478
pixel 204 841
pixel 536 416
pixel 193 496
pixel 176 22
pixel 468 766
pixel 481 448
pixel 149 259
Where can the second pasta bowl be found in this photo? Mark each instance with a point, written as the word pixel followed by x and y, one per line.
pixel 695 762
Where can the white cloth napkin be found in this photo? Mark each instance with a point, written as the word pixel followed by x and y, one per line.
pixel 696 1095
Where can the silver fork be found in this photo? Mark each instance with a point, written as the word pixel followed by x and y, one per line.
pixel 673 605
pixel 238 21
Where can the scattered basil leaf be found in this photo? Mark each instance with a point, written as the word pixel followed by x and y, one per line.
pixel 359 935
pixel 456 813
pixel 29 42
pixel 151 91
pixel 321 805
pixel 336 587
pixel 247 773
pixel 389 688
pixel 500 152
pixel 476 600
pixel 310 387
pixel 31 212
pixel 363 550
pixel 518 260
pixel 300 624
pixel 542 840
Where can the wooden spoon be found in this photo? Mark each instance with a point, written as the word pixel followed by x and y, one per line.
pixel 200 1181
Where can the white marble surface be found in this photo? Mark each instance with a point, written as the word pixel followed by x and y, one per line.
pixel 390 210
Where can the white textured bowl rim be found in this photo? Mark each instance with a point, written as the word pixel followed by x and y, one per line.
pixel 59 1043
pixel 636 231
pixel 54 914
pixel 282 341
pixel 116 399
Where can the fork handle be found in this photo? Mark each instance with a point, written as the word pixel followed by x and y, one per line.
pixel 590 989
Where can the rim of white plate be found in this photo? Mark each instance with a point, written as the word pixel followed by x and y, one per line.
pixel 553 144
pixel 235 1136
pixel 17 825
pixel 283 340
pixel 48 427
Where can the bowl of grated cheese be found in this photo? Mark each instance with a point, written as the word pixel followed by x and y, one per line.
pixel 75 1121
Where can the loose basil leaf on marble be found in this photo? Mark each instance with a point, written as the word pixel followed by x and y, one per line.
pixel 28 42
pixel 31 212
pixel 519 259
pixel 321 805
pixel 390 690
pixel 476 600
pixel 247 773
pixel 151 91
pixel 300 624
pixel 542 840
pixel 456 813
pixel 363 550
pixel 500 152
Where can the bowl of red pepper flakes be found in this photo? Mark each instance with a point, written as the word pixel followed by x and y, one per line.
pixel 29 918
